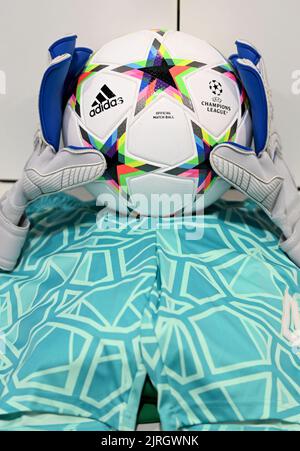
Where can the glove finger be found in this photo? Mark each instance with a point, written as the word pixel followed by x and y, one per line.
pixel 253 176
pixel 254 85
pixel 62 46
pixel 50 99
pixel 248 51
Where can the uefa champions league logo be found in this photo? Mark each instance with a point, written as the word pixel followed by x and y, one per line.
pixel 215 104
pixel 2 83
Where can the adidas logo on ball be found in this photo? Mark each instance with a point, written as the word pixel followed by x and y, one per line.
pixel 105 100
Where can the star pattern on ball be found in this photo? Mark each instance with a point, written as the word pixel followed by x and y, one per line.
pixel 160 73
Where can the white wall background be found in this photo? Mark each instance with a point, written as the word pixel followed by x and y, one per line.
pixel 27 27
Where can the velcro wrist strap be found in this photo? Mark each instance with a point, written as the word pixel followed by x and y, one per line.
pixel 291 246
pixel 10 210
pixel 12 239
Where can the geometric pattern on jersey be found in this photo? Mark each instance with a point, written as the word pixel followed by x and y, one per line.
pixel 158 73
pixel 89 312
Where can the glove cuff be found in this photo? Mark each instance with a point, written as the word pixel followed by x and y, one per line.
pixel 12 239
pixel 291 246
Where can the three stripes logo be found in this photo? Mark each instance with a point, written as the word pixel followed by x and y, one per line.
pixel 105 100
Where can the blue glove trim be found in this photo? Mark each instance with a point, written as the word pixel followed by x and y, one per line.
pixel 247 51
pixel 239 146
pixel 80 57
pixel 50 101
pixel 255 89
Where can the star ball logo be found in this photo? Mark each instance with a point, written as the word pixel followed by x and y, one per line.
pixel 105 100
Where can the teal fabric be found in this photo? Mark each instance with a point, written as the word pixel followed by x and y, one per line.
pixel 90 311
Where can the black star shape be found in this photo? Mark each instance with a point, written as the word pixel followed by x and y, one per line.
pixel 162 73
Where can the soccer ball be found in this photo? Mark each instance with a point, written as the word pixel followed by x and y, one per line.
pixel 155 103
